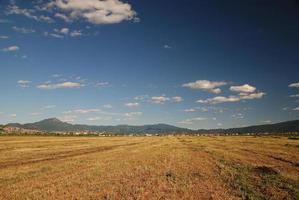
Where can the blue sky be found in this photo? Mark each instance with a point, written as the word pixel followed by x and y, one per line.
pixel 194 64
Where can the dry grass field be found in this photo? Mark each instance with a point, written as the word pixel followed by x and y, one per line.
pixel 231 167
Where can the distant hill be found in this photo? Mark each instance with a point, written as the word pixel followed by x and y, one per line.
pixel 282 127
pixel 55 125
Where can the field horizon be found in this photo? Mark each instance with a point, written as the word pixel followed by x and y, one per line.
pixel 54 125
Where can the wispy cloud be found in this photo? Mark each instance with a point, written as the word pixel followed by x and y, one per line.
pixel 94 118
pixel 54 35
pixel 132 104
pixel 63 17
pixel 158 99
pixel 76 33
pixel 266 122
pixel 63 32
pixel 13 9
pixel 68 118
pixel 23 30
pixel 64 85
pixel 141 97
pixel 108 106
pixel 3 37
pixel 24 83
pixel 132 115
pixel 232 98
pixel 11 48
pixel 5 21
pixel 35 114
pixel 177 99
pixel 49 107
pixel 192 121
pixel 56 75
pixel 166 46
pixel 189 110
pixel 238 116
pixel 83 111
pixel 102 84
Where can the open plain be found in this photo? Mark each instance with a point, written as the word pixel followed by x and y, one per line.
pixel 222 167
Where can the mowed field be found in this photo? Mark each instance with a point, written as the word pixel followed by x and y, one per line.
pixel 223 167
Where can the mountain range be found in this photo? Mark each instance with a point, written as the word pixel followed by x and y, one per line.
pixel 55 125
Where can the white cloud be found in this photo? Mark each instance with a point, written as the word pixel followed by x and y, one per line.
pixel 295 85
pixel 24 83
pixel 177 99
pixel 232 98
pixel 159 99
pixel 11 49
pixel 13 115
pixel 205 85
pixel 23 30
pixel 243 88
pixel 296 109
pixel 166 46
pixel 94 11
pixel 132 105
pixel 64 31
pixel 3 37
pixel 64 85
pixel 294 95
pixel 192 121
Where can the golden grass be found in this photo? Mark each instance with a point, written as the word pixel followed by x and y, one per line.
pixel 149 168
